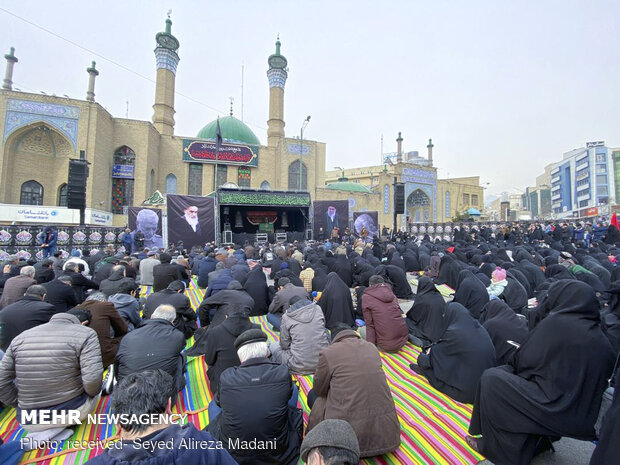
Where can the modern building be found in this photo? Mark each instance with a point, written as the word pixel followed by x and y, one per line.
pixel 584 183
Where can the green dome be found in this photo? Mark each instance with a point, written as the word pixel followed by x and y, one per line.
pixel 348 186
pixel 233 131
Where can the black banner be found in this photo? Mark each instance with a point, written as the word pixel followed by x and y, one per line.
pixel 147 220
pixel 369 220
pixel 191 219
pixel 328 214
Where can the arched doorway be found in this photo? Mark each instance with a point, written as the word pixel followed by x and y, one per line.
pixel 419 206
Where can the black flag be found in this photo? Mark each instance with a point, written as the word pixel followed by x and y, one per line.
pixel 218 135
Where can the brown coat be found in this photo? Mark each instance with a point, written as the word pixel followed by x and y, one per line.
pixel 385 325
pixel 104 318
pixel 14 289
pixel 350 385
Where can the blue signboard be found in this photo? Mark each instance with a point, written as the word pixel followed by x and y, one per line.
pixel 122 171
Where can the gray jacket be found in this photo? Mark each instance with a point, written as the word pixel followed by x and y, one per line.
pixel 146 270
pixel 51 364
pixel 280 301
pixel 303 336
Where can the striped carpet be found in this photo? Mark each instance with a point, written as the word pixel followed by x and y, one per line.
pixel 432 425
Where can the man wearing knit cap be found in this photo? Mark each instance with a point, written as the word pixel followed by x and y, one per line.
pixel 254 410
pixel 331 441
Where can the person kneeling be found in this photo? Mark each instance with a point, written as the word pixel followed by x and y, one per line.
pixel 254 412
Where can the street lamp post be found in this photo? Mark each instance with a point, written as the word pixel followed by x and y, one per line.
pixel 301 148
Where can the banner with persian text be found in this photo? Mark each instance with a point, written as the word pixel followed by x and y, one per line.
pixel 201 151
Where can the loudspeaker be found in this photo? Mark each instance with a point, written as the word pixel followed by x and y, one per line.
pixel 76 187
pixel 399 198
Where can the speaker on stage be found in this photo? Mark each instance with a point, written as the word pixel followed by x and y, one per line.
pixel 284 220
pixel 238 220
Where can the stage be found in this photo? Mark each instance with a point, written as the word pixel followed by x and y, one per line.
pixel 250 216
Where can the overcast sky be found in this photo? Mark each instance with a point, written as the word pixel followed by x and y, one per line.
pixel 502 87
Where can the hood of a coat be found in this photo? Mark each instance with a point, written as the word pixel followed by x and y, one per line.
pixel 117 275
pixel 122 300
pixel 302 311
pixel 382 292
pixel 235 285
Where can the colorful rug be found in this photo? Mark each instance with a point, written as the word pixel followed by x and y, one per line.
pixel 433 426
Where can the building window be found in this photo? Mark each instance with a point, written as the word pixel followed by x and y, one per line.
pixel 222 175
pixel 601 169
pixel 447 204
pixel 465 199
pixel 474 200
pixel 171 184
pixel 31 193
pixel 265 186
pixel 583 203
pixel 194 179
pixel 293 176
pixel 122 188
pixel 601 190
pixel 601 179
pixel 244 176
pixel 62 195
pixel 601 158
pixel 151 183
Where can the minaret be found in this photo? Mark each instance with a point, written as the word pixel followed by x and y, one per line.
pixel 167 61
pixel 399 148
pixel 277 75
pixel 430 152
pixel 92 74
pixel 11 59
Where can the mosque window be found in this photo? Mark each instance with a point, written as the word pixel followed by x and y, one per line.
pixel 244 176
pixel 171 184
pixel 194 184
pixel 265 186
pixel 62 195
pixel 447 204
pixel 222 175
pixel 474 200
pixel 466 199
pixel 123 185
pixel 293 176
pixel 151 188
pixel 31 193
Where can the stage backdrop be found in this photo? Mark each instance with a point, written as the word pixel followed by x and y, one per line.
pixel 147 220
pixel 191 219
pixel 321 218
pixel 368 219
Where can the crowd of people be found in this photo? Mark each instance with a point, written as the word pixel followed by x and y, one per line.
pixel 530 336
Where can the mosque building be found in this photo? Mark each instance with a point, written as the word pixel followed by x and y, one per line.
pixel 132 161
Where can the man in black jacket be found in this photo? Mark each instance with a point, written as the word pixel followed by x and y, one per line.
pixel 257 401
pixel 157 344
pixel 173 295
pixel 28 312
pixel 165 273
pixel 111 285
pixel 79 282
pixel 46 273
pixel 213 310
pixel 60 293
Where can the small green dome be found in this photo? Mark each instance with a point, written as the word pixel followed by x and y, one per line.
pixel 232 129
pixel 348 186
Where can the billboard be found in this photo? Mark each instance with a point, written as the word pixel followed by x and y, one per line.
pixel 200 151
pixel 147 220
pixel 327 215
pixel 369 220
pixel 191 219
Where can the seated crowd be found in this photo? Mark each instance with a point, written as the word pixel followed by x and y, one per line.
pixel 530 336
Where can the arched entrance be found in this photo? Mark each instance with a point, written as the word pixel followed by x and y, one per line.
pixel 419 206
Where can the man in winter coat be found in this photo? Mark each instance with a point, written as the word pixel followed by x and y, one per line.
pixel 152 392
pixel 45 273
pixel 79 282
pixel 107 323
pixel 174 295
pixel 70 353
pixel 111 285
pixel 350 385
pixel 157 344
pixel 256 402
pixel 60 293
pixel 15 287
pixel 28 312
pixel 146 268
pixel 281 300
pixel 165 273
pixel 127 305
pixel 214 309
pixel 302 336
pixel 207 265
pixel 385 325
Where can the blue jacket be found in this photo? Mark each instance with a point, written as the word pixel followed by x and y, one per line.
pixel 220 283
pixel 53 238
pixel 134 452
pixel 598 232
pixel 207 265
pixel 578 233
pixel 128 241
